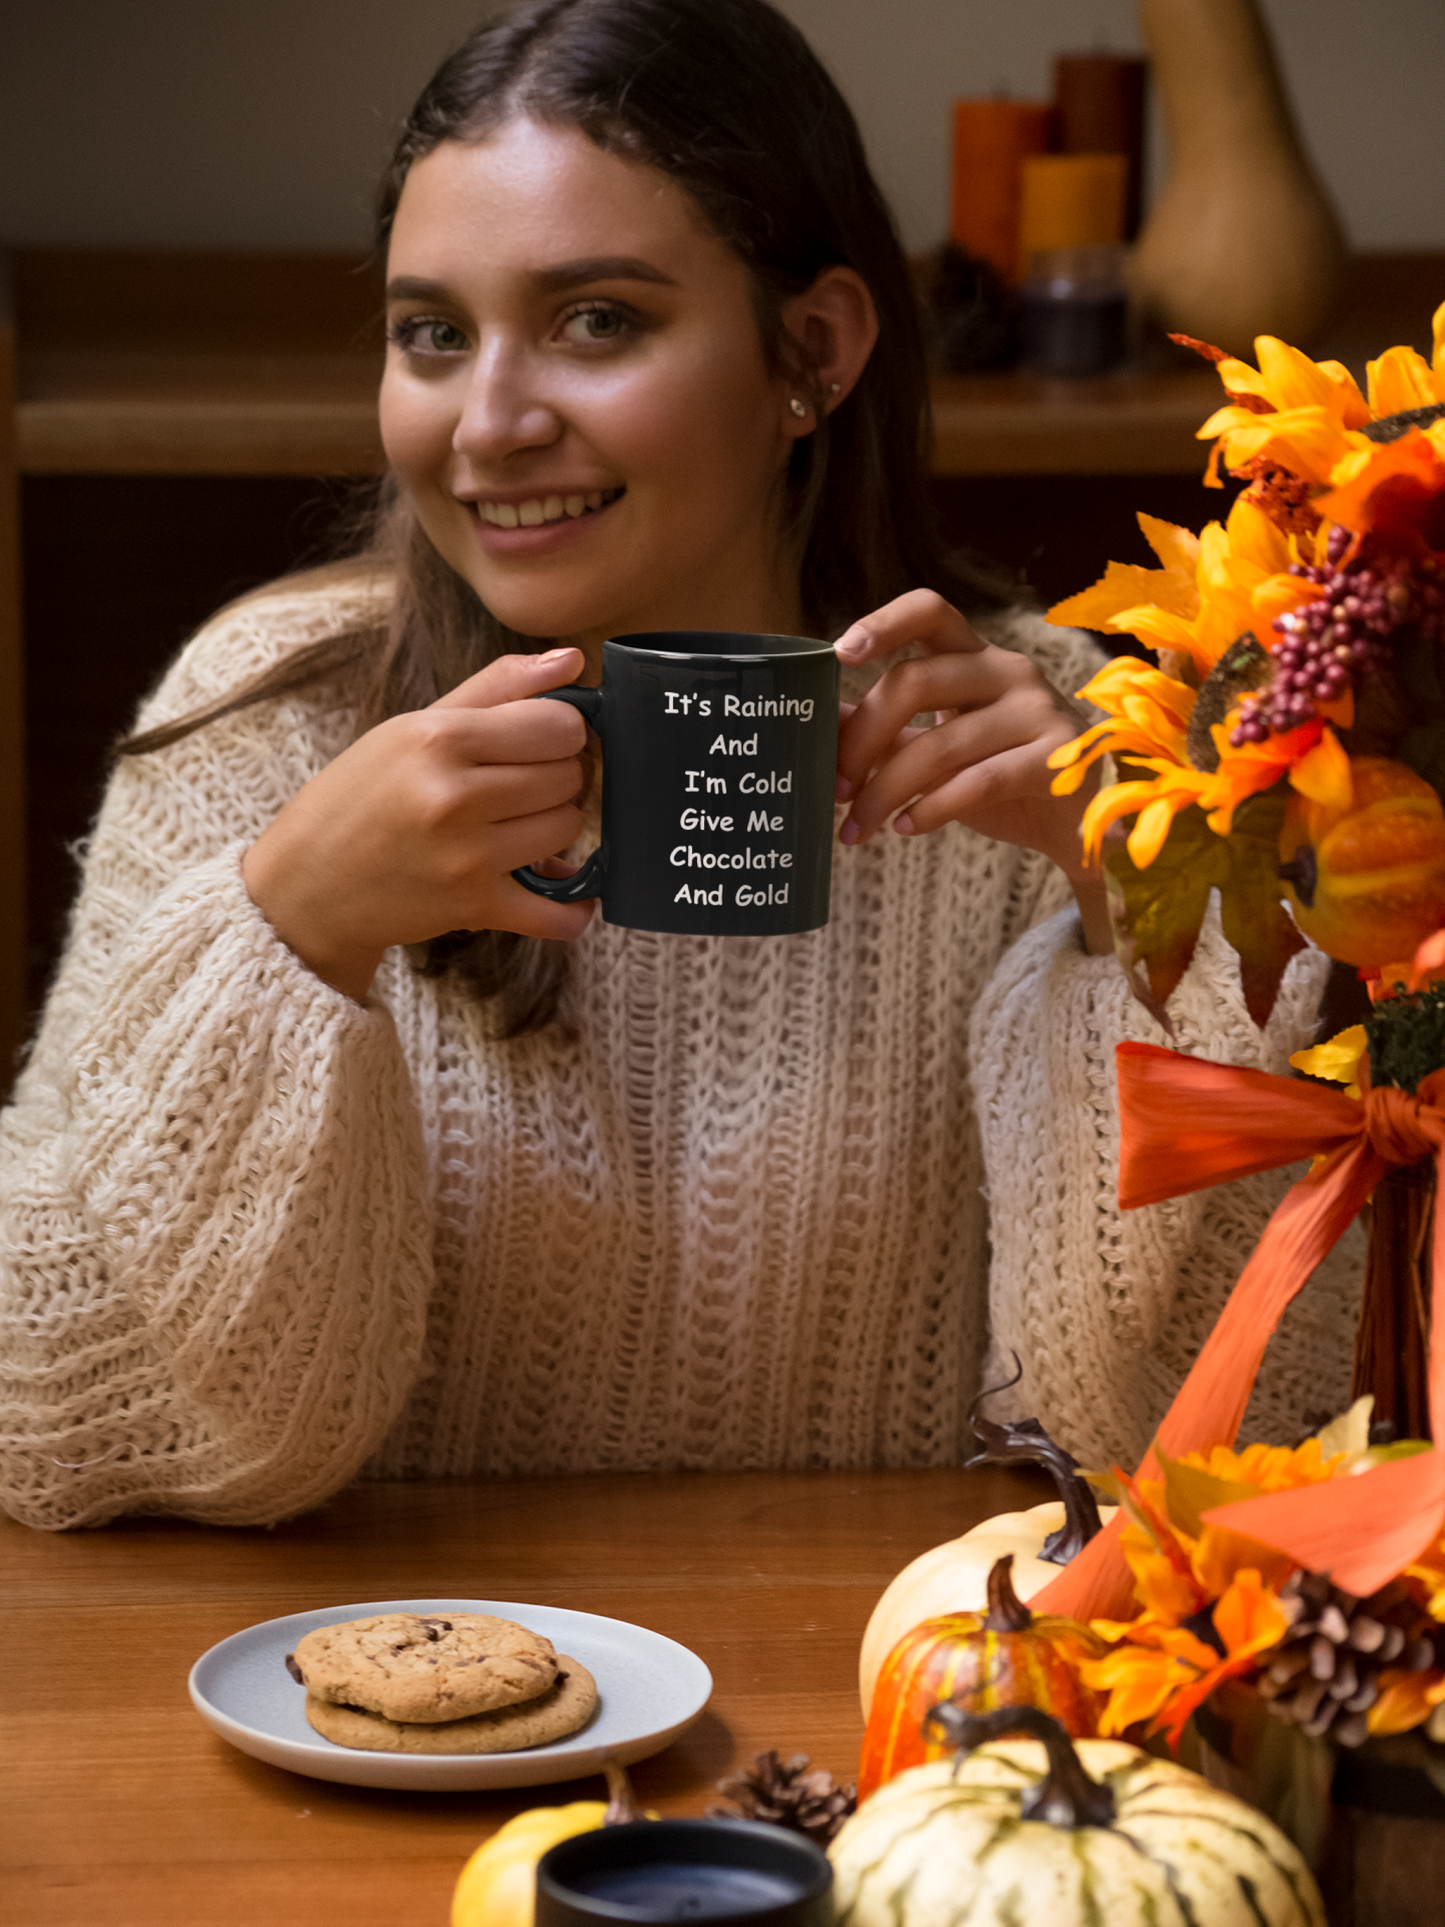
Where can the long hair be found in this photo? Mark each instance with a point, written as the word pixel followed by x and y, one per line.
pixel 727 99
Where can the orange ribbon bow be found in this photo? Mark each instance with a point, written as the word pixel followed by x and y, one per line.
pixel 1186 1124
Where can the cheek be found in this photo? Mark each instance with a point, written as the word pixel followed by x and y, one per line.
pixel 701 427
pixel 417 425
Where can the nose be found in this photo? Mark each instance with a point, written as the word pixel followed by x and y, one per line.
pixel 504 411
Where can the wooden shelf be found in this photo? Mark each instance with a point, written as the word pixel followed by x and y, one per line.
pixel 1125 424
pixel 112 412
pixel 216 364
pixel 196 364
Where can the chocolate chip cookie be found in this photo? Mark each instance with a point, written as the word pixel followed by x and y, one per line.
pixel 565 1707
pixel 424 1669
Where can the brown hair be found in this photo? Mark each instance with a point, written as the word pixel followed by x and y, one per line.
pixel 726 98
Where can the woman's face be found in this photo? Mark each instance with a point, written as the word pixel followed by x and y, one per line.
pixel 576 394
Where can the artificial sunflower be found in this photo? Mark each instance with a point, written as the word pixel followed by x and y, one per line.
pixel 1209 1610
pixel 1210 1597
pixel 1231 582
pixel 1371 464
pixel 1212 601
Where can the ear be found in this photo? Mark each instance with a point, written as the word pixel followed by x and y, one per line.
pixel 834 326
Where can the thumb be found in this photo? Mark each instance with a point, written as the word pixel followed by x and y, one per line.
pixel 514 678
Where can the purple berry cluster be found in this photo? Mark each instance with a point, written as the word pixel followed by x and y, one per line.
pixel 1329 645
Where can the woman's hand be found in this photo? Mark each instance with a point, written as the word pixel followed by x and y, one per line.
pixel 416 828
pixel 983 763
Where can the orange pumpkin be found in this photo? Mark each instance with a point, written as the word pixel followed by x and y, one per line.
pixel 1367 883
pixel 1007 1656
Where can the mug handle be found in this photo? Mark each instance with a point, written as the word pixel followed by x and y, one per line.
pixel 586 882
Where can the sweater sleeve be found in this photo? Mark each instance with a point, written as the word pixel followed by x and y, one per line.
pixel 1108 1309
pixel 214 1264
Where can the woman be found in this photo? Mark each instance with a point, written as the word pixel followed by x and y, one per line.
pixel 340 1150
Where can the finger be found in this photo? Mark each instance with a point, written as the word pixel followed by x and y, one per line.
pixel 934 756
pixel 511 678
pixel 516 908
pixel 974 791
pixel 496 793
pixel 921 618
pixel 514 732
pixel 910 689
pixel 530 839
pixel 845 785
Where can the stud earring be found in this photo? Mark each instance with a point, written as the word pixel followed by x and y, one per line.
pixel 799 408
pixel 835 388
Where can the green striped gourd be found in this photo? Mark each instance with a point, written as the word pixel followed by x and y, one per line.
pixel 1019 1835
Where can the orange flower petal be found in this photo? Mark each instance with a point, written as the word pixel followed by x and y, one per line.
pixel 1406 1700
pixel 1398 481
pixel 1147 838
pixel 1323 773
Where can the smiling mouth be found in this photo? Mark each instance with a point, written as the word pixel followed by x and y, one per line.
pixel 542 509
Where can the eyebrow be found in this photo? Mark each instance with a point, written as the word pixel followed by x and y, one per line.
pixel 566 274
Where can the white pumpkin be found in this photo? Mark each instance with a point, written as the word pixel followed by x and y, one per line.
pixel 954 1578
pixel 941 1846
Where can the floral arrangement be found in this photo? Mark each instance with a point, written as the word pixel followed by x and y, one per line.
pixel 1220 1606
pixel 1294 729
pixel 1287 750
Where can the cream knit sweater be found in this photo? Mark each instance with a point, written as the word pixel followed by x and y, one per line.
pixel 256 1238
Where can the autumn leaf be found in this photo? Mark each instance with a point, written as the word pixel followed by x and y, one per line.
pixel 1157 912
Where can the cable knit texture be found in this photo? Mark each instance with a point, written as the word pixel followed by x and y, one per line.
pixel 255 1238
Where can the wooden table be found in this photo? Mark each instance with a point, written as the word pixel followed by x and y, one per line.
pixel 122 1809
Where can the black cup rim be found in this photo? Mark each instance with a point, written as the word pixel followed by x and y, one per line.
pixel 804 1860
pixel 645 643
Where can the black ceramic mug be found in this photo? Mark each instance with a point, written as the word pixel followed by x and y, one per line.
pixel 720 757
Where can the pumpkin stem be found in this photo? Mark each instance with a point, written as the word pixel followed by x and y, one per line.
pixel 1066 1796
pixel 1007 1613
pixel 1025 1442
pixel 622 1807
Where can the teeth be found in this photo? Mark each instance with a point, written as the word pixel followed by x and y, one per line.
pixel 540 510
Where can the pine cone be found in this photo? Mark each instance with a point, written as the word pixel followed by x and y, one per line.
pixel 1325 1674
pixel 786 1794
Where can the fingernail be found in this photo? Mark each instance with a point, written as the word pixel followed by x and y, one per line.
pixel 552 656
pixel 842 790
pixel 853 643
pixel 903 824
pixel 850 832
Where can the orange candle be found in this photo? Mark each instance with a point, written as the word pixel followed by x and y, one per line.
pixel 1070 201
pixel 991 139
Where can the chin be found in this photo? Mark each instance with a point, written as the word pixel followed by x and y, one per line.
pixel 545 618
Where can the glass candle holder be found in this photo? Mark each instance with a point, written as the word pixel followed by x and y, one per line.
pixel 1074 311
pixel 661 1870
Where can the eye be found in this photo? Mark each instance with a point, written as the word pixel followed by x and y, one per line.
pixel 597 323
pixel 427 335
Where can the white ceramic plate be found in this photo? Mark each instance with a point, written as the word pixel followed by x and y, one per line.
pixel 649 1689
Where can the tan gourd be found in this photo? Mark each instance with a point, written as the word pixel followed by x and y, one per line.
pixel 953 1578
pixel 1242 240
